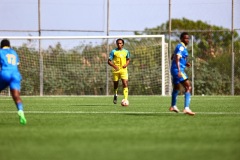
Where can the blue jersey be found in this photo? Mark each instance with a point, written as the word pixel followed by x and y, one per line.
pixel 9 73
pixel 8 59
pixel 182 51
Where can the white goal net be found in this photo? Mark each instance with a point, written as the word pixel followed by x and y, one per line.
pixel 78 65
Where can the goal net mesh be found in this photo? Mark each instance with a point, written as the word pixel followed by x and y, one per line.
pixel 78 66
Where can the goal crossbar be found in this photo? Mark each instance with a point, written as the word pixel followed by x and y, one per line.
pixel 82 37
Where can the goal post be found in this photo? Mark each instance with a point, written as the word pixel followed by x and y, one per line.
pixel 77 65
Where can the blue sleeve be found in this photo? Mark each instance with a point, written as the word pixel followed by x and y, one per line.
pixel 179 49
pixel 128 54
pixel 0 60
pixel 111 55
pixel 16 55
pixel 18 60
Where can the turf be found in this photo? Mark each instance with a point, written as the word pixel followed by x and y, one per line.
pixel 90 128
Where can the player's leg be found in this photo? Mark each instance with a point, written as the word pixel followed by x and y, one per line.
pixel 16 97
pixel 125 88
pixel 115 89
pixel 115 86
pixel 187 99
pixel 15 86
pixel 4 82
pixel 176 88
pixel 124 78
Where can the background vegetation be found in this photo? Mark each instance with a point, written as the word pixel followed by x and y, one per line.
pixel 67 75
pixel 212 55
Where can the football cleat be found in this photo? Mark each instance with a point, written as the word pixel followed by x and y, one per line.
pixel 22 118
pixel 115 99
pixel 188 111
pixel 174 109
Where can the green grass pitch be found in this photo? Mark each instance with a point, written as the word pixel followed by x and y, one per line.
pixel 93 128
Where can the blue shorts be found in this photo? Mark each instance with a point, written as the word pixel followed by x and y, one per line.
pixel 11 79
pixel 176 79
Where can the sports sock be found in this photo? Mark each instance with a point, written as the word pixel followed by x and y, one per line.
pixel 174 97
pixel 125 93
pixel 19 106
pixel 115 91
pixel 187 99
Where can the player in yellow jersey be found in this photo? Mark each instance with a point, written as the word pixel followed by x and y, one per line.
pixel 119 59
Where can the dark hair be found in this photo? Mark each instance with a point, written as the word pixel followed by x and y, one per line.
pixel 120 39
pixel 5 42
pixel 183 34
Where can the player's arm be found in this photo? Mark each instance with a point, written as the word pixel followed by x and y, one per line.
pixel 188 64
pixel 127 62
pixel 127 59
pixel 177 60
pixel 18 60
pixel 112 64
pixel 172 57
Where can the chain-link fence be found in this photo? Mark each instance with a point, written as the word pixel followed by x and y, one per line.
pixel 214 49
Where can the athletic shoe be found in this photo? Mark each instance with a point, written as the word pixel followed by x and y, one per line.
pixel 22 118
pixel 174 109
pixel 115 99
pixel 188 111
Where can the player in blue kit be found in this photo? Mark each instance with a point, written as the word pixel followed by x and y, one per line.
pixel 10 76
pixel 179 77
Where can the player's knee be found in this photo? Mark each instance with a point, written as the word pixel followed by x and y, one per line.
pixel 188 88
pixel 125 85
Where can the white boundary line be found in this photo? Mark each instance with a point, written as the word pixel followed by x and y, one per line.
pixel 116 112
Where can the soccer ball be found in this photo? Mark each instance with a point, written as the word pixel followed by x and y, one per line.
pixel 125 102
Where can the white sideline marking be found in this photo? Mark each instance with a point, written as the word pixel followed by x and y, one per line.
pixel 120 112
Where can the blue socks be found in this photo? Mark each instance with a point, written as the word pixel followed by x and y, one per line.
pixel 174 97
pixel 187 99
pixel 20 106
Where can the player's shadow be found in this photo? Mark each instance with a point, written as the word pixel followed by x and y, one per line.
pixel 88 105
pixel 147 114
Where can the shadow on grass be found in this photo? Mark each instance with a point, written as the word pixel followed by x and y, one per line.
pixel 150 114
pixel 90 105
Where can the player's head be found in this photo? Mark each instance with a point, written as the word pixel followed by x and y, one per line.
pixel 184 37
pixel 119 39
pixel 5 43
pixel 120 43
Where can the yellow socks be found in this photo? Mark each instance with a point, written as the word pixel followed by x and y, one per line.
pixel 125 93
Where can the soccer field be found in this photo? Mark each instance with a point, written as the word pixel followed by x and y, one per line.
pixel 90 128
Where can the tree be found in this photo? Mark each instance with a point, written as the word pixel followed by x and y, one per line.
pixel 212 51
